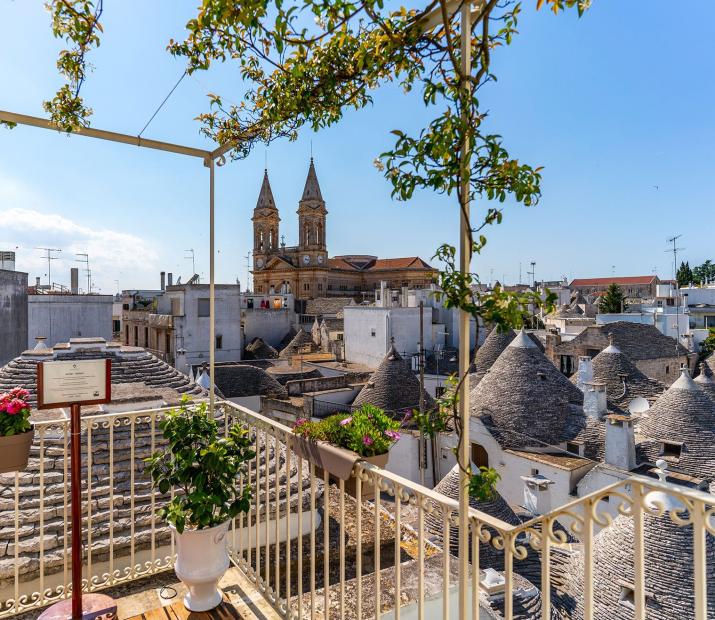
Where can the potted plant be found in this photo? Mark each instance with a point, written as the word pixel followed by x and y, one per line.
pixel 203 468
pixel 16 430
pixel 337 442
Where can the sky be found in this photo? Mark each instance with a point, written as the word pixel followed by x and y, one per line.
pixel 616 106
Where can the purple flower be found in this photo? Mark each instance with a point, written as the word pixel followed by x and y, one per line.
pixel 300 421
pixel 367 441
pixel 394 435
pixel 408 415
pixel 346 421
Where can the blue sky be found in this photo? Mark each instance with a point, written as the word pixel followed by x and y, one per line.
pixel 617 107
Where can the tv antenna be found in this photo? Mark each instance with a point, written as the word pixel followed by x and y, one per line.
pixel 84 258
pixel 675 250
pixel 248 268
pixel 49 258
pixel 193 261
pixel 532 273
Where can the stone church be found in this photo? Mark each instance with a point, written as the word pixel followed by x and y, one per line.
pixel 305 269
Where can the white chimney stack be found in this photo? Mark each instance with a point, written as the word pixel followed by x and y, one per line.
pixel 594 399
pixel 620 442
pixel 584 374
pixel 537 494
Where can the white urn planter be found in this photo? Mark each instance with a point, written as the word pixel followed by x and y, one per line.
pixel 201 561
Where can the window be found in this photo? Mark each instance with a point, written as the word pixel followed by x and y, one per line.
pixel 480 457
pixel 306 286
pixel 667 370
pixel 136 336
pixel 439 391
pixel 627 597
pixel 320 287
pixel 567 365
pixel 219 342
pixel 126 334
pixel 146 337
pixel 175 308
pixel 592 352
pixel 709 321
pixel 574 448
pixel 372 332
pixel 534 471
pixel 671 449
pixel 204 307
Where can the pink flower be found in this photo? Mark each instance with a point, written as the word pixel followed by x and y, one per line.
pixel 15 406
pixel 346 421
pixel 394 435
pixel 367 441
pixel 300 421
pixel 20 393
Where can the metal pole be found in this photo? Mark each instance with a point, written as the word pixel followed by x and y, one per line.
pixel 465 255
pixel 212 294
pixel 423 447
pixel 76 507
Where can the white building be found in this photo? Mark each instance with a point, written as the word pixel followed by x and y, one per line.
pixel 187 306
pixel 59 317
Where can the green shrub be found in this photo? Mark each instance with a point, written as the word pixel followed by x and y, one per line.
pixel 202 467
pixel 369 431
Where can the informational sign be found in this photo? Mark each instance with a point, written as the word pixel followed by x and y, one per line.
pixel 73 382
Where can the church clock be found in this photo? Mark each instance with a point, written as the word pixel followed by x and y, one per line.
pixel 306 259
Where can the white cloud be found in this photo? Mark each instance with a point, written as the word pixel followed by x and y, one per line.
pixel 114 255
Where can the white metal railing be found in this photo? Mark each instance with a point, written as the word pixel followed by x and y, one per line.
pixel 318 548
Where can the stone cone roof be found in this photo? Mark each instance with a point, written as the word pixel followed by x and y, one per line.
pixel 495 507
pixel 492 347
pixel 524 396
pixel 613 367
pixel 684 413
pixel 300 342
pixel 393 386
pixel 668 572
pixel 265 196
pixel 239 380
pixel 260 350
pixel 706 366
pixel 706 381
pixel 129 365
pixel 311 191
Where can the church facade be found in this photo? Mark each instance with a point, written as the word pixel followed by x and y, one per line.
pixel 306 270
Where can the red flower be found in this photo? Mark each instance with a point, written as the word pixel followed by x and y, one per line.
pixel 15 406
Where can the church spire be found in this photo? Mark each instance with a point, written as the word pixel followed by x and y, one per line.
pixel 265 197
pixel 312 187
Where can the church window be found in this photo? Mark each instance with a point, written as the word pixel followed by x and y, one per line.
pixel 306 286
pixel 320 287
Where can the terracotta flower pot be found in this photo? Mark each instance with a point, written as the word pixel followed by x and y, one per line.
pixel 338 462
pixel 15 451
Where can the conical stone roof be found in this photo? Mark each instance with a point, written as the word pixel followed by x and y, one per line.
pixel 260 350
pixel 393 386
pixel 239 380
pixel 683 414
pixel 525 396
pixel 492 347
pixel 300 343
pixel 668 566
pixel 706 381
pixel 495 507
pixel 623 380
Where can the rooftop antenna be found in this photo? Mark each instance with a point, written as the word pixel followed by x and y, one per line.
pixel 85 259
pixel 675 250
pixel 49 258
pixel 193 260
pixel 532 273
pixel 248 268
pixel 519 272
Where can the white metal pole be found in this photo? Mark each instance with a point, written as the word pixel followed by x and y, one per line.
pixel 465 254
pixel 212 295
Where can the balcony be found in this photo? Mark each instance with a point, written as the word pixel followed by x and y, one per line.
pixel 313 548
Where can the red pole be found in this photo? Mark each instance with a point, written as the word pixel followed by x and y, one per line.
pixel 76 496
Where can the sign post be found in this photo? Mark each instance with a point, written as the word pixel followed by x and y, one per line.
pixel 74 383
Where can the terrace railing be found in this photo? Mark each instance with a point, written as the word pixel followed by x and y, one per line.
pixel 373 545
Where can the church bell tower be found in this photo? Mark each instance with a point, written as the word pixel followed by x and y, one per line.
pixel 266 222
pixel 311 223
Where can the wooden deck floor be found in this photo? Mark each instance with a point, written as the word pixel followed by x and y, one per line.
pixel 177 611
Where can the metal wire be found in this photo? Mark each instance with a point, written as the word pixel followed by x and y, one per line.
pixel 161 105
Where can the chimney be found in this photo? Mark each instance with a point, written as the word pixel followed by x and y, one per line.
pixel 170 279
pixel 162 275
pixel 74 280
pixel 594 399
pixel 537 494
pixel 404 302
pixel 620 442
pixel 383 301
pixel 584 374
pixel 37 282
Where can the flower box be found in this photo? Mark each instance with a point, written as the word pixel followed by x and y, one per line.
pixel 339 463
pixel 15 451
